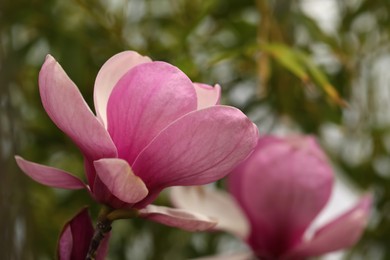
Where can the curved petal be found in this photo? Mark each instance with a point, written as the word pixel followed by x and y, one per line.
pixel 199 148
pixel 108 76
pixel 177 218
pixel 65 244
pixel 207 95
pixel 272 187
pixel 68 110
pixel 340 233
pixel 145 101
pixel 120 180
pixel 49 176
pixel 218 205
pixel 76 236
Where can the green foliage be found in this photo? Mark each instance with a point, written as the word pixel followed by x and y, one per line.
pixel 297 76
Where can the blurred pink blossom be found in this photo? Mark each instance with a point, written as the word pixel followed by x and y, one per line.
pixel 274 197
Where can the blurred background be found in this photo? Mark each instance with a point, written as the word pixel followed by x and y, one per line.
pixel 302 66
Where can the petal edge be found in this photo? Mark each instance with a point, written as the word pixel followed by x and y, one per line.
pixel 207 95
pixel 49 176
pixel 340 233
pixel 65 105
pixel 120 180
pixel 216 204
pixel 198 148
pixel 177 218
pixel 109 74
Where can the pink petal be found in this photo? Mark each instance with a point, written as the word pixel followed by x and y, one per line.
pixel 199 148
pixel 340 233
pixel 218 205
pixel 177 218
pixel 66 107
pixel 272 187
pixel 109 75
pixel 49 176
pixel 207 95
pixel 120 180
pixel 65 244
pixel 76 236
pixel 145 101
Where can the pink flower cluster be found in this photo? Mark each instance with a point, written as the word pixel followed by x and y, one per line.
pixel 154 128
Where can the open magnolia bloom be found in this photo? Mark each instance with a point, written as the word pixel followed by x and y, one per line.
pixel 153 128
pixel 274 197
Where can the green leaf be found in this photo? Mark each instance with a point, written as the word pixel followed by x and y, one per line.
pixel 301 65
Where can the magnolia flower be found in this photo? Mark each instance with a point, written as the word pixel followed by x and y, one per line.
pixel 275 196
pixel 153 128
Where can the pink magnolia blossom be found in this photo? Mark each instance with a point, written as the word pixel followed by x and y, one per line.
pixel 153 128
pixel 274 197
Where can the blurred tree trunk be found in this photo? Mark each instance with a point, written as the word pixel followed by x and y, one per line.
pixel 14 209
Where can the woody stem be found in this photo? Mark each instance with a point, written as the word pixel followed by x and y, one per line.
pixel 103 226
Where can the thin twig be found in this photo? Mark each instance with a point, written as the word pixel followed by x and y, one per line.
pixel 102 228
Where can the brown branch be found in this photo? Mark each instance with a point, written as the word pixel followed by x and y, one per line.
pixel 102 228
